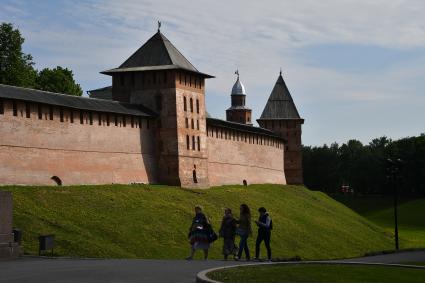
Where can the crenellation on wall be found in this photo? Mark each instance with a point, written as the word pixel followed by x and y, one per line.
pixel 33 150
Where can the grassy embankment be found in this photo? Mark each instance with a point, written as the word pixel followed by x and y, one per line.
pixel 301 273
pixel 380 210
pixel 143 221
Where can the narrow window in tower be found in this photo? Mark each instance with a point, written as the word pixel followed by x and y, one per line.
pixel 99 118
pixel 216 132
pixel 184 103
pixel 197 125
pixel 158 99
pixel 116 120
pixel 132 121
pixel 81 117
pixel 124 120
pixel 15 108
pixel 185 79
pixel 193 142
pixel 61 114
pixel 187 142
pixel 197 106
pixel 91 118
pixel 1 107
pixel 133 79
pixel 107 120
pixel 191 105
pixel 193 125
pixel 27 110
pixel 50 112
pixel 180 78
pixel 195 81
pixel 199 143
pixel 40 111
pixel 190 80
pixel 186 122
pixel 71 116
pixel 140 122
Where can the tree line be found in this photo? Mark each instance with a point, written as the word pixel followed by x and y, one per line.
pixel 17 67
pixel 362 168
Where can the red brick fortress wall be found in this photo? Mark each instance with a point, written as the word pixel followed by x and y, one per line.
pixel 234 156
pixel 82 151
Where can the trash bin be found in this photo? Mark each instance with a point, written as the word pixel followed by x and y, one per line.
pixel 46 242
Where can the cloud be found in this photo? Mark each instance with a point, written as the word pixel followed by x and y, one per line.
pixel 257 37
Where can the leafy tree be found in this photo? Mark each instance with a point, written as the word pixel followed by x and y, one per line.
pixel 16 67
pixel 59 80
pixel 362 167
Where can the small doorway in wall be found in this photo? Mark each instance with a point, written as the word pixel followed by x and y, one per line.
pixel 195 178
pixel 245 183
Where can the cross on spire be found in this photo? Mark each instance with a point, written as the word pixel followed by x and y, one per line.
pixel 159 26
pixel 280 72
pixel 237 73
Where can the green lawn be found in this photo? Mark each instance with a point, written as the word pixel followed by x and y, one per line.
pixel 141 221
pixel 302 273
pixel 379 210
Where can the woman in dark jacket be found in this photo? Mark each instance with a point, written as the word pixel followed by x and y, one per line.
pixel 228 231
pixel 244 230
pixel 198 234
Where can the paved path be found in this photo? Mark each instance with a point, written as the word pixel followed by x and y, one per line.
pixel 116 270
pixel 402 257
pixel 43 270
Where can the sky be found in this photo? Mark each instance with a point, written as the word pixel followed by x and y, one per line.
pixel 355 68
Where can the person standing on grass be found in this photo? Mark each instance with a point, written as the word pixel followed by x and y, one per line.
pixel 198 234
pixel 228 231
pixel 265 226
pixel 244 230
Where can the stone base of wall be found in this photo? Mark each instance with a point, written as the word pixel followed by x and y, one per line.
pixel 9 250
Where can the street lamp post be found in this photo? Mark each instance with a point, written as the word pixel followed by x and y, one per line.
pixel 393 170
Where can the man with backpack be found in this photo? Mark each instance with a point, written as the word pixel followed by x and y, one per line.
pixel 265 225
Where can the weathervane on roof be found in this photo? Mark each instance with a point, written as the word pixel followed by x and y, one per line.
pixel 159 26
pixel 237 73
pixel 280 72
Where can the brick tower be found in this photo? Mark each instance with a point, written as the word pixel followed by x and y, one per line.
pixel 280 115
pixel 238 112
pixel 159 77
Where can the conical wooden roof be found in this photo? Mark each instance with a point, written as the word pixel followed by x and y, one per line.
pixel 158 53
pixel 280 104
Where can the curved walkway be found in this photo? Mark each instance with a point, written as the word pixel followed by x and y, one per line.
pixel 34 269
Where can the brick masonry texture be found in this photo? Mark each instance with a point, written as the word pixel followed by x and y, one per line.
pixel 232 159
pixel 33 150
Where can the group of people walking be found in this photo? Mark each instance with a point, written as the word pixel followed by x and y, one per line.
pixel 201 234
